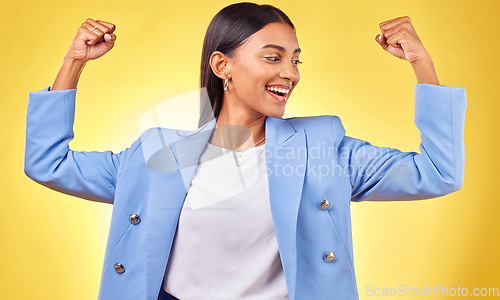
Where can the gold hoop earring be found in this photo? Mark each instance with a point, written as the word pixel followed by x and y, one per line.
pixel 226 83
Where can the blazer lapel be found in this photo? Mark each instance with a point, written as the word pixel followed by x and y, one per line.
pixel 286 157
pixel 172 156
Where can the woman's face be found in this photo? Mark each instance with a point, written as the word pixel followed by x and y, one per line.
pixel 263 71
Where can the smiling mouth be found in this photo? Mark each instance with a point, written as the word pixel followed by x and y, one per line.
pixel 280 94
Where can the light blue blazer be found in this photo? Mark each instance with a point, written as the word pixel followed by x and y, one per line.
pixel 309 160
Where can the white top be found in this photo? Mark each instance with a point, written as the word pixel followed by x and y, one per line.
pixel 225 246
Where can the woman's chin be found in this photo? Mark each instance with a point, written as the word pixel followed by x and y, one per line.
pixel 276 113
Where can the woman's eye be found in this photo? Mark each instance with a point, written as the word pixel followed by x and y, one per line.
pixel 274 59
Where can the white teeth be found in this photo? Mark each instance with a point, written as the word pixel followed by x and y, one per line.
pixel 275 89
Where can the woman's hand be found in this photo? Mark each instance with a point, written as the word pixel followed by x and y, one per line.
pixel 93 39
pixel 399 38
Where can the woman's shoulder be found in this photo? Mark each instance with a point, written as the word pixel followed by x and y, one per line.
pixel 315 120
pixel 320 125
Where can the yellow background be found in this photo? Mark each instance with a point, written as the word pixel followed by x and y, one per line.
pixel 52 245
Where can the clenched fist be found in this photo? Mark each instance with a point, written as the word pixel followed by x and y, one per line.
pixel 399 38
pixel 93 39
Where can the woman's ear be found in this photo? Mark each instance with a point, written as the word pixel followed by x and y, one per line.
pixel 220 64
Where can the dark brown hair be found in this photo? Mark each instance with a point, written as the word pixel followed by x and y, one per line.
pixel 229 28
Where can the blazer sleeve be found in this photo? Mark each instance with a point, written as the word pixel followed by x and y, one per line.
pixel 382 173
pixel 48 159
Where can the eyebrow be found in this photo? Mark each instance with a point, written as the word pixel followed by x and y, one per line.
pixel 279 48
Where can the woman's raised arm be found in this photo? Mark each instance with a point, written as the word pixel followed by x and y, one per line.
pixel 49 127
pixel 382 173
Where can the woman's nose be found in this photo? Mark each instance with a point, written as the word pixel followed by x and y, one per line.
pixel 290 72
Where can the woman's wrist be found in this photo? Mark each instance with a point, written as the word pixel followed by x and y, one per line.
pixel 68 75
pixel 425 71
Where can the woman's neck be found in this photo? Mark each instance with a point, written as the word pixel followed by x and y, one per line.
pixel 238 130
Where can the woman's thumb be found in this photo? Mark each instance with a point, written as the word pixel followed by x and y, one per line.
pixel 381 40
pixel 109 38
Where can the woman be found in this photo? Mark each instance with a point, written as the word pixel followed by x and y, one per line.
pixel 208 214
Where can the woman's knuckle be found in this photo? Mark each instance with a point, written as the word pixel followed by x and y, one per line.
pixel 405 30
